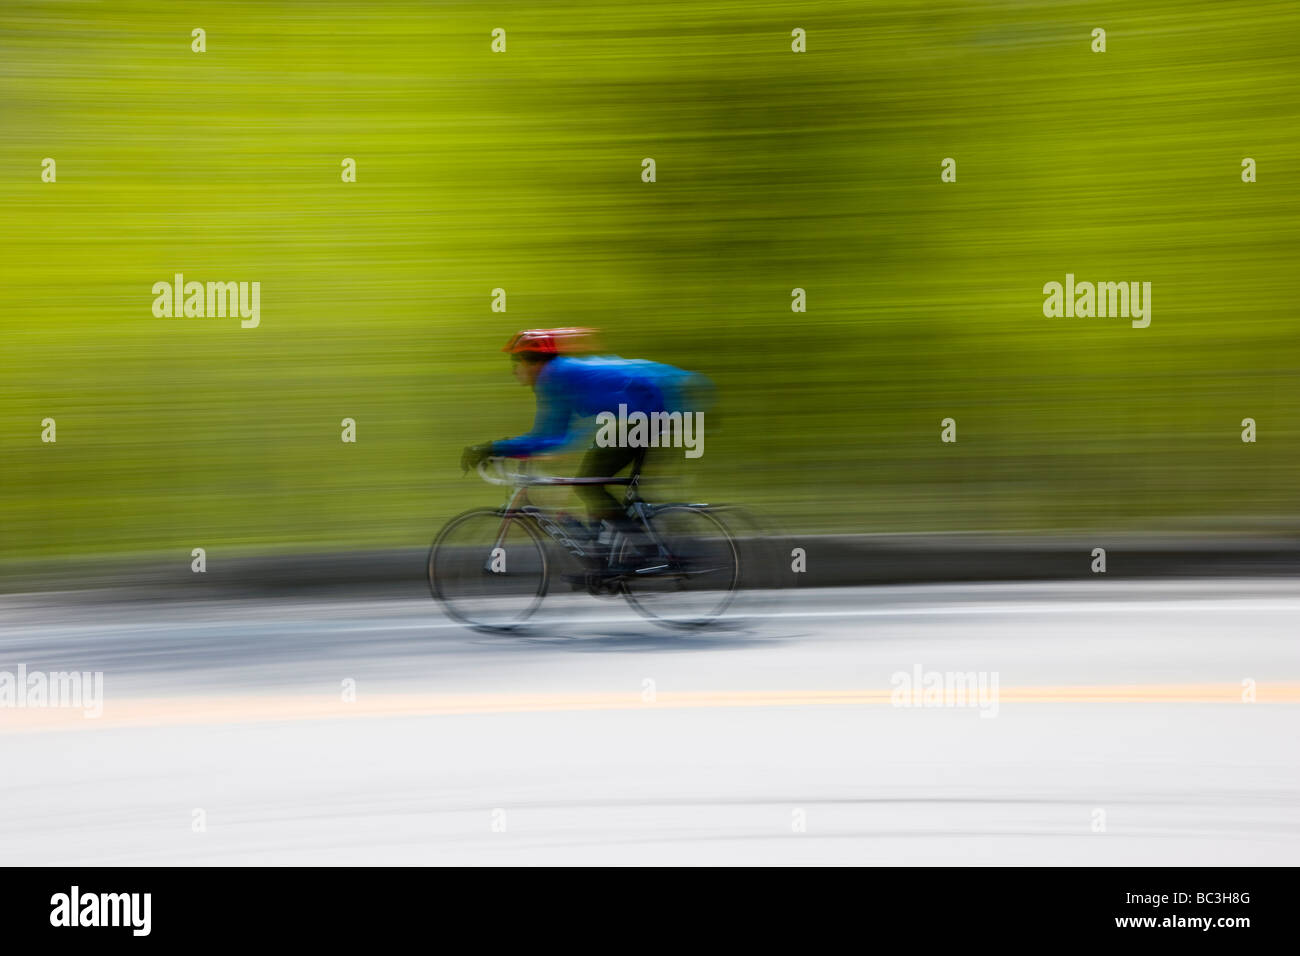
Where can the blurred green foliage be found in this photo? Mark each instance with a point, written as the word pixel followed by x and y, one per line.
pixel 522 170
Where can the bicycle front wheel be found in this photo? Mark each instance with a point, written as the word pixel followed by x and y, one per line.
pixel 488 570
pixel 688 568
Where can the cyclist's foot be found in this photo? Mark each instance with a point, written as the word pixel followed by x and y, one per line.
pixel 581 580
pixel 599 582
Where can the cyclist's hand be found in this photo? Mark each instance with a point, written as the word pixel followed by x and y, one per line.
pixel 473 455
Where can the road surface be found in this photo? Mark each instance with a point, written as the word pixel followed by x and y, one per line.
pixel 1121 730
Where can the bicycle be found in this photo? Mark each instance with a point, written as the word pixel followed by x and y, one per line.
pixel 491 568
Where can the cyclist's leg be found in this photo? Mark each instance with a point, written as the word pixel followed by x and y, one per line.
pixel 601 505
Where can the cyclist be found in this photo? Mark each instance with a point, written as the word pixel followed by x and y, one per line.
pixel 572 386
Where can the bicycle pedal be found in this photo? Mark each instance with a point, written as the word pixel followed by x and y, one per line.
pixel 605 582
pixel 586 580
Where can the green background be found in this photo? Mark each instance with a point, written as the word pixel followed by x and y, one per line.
pixel 522 170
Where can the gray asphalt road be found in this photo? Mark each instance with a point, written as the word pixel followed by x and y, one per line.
pixel 1120 731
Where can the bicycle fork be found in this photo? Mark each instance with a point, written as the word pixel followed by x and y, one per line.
pixel 499 544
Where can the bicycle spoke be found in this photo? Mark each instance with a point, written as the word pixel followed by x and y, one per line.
pixel 488 572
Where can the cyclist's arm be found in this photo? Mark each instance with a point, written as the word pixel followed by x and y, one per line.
pixel 550 429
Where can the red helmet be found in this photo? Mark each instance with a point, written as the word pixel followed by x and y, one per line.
pixel 551 341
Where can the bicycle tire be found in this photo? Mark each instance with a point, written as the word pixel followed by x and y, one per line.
pixel 650 595
pixel 447 568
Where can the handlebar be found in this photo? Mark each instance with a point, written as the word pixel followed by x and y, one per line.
pixel 493 471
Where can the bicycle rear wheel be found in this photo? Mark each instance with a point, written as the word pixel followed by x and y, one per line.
pixel 689 568
pixel 489 571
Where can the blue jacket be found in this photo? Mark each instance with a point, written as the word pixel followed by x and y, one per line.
pixel 572 389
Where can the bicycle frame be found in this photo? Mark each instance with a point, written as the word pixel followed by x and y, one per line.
pixel 518 506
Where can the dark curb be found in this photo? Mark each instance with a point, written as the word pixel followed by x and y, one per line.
pixel 831 561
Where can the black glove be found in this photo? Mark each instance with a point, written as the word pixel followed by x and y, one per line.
pixel 473 455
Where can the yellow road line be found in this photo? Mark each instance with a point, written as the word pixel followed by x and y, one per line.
pixel 171 711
